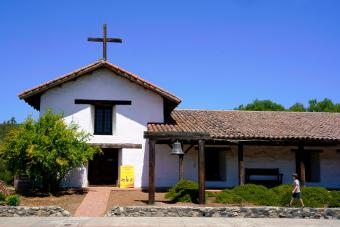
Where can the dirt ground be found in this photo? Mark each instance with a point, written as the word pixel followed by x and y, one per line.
pixel 69 200
pixel 140 198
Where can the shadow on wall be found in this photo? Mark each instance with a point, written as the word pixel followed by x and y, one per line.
pixel 145 171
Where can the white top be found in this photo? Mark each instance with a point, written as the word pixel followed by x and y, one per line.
pixel 297 185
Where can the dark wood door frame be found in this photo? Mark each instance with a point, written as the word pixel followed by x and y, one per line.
pixel 103 169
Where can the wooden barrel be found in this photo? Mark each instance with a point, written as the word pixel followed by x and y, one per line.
pixel 23 185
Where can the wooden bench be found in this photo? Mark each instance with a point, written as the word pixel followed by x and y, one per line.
pixel 276 176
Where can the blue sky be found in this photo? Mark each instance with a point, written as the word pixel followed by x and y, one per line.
pixel 212 54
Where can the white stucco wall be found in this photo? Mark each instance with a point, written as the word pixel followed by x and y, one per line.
pixel 329 168
pixel 280 157
pixel 130 121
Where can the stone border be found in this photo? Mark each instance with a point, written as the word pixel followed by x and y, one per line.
pixel 41 211
pixel 247 212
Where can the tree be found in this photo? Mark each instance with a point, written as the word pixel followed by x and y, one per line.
pixel 5 128
pixel 325 105
pixel 262 105
pixel 297 107
pixel 46 149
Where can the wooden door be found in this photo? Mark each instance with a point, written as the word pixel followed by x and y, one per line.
pixel 103 169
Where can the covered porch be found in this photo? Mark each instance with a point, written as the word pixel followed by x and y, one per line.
pixel 260 145
pixel 261 161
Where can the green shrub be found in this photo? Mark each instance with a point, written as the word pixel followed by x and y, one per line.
pixel 315 196
pixel 278 196
pixel 2 196
pixel 335 199
pixel 183 191
pixel 228 196
pixel 13 200
pixel 256 194
pixel 211 194
pixel 283 194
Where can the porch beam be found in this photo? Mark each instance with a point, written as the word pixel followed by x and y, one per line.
pixel 118 145
pixel 201 171
pixel 240 163
pixel 152 171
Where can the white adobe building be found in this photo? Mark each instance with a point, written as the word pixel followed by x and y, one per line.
pixel 129 116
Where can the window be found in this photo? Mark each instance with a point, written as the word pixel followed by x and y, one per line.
pixel 311 159
pixel 103 120
pixel 215 165
pixel 312 166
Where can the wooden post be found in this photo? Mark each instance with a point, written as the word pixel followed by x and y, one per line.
pixel 201 171
pixel 240 163
pixel 151 172
pixel 301 164
pixel 180 163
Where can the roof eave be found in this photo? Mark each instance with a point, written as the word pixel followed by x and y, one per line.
pixel 38 90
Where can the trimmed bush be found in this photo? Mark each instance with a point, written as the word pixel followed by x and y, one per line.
pixel 335 199
pixel 183 191
pixel 256 194
pixel 211 194
pixel 315 196
pixel 13 200
pixel 283 194
pixel 228 196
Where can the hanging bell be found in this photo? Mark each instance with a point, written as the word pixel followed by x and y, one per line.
pixel 177 149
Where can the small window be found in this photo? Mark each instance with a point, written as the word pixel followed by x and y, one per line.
pixel 215 165
pixel 103 120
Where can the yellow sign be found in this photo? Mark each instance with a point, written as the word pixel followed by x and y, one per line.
pixel 127 177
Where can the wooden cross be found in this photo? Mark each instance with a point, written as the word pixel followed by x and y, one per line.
pixel 104 40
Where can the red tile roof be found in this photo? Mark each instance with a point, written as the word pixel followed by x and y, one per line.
pixel 244 125
pixel 33 94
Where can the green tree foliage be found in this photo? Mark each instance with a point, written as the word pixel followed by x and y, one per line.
pixel 297 107
pixel 46 149
pixel 262 105
pixel 326 105
pixel 5 128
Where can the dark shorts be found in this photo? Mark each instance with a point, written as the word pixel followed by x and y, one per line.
pixel 296 195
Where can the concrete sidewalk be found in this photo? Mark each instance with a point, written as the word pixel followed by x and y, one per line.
pixel 160 222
